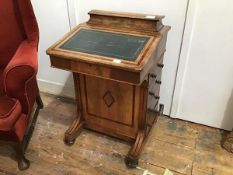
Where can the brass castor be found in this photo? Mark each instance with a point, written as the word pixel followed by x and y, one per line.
pixel 69 142
pixel 131 162
pixel 23 163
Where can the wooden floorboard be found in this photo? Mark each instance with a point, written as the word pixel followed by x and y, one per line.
pixel 184 148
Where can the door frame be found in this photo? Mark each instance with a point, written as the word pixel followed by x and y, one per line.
pixel 184 58
pixel 71 9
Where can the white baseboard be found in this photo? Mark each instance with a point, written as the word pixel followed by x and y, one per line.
pixel 55 88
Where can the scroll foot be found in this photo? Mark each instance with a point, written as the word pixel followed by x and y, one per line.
pixel 69 142
pixel 131 160
pixel 73 131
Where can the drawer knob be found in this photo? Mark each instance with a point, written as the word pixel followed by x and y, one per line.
pixel 153 75
pixel 160 65
pixel 153 94
pixel 158 82
pixel 160 111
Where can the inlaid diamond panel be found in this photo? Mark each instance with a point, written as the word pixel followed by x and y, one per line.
pixel 108 99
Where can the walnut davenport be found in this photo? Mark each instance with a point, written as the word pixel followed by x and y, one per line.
pixel 116 60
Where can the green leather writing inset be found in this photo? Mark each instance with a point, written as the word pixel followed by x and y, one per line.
pixel 115 45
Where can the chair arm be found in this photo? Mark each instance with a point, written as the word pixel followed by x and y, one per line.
pixel 22 67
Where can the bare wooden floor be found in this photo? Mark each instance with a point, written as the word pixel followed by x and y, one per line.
pixel 182 147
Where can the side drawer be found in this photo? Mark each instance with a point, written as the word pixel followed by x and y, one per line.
pixel 154 79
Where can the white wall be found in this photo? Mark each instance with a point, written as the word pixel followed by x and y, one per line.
pixel 204 89
pixel 52 17
pixel 204 84
pixel 175 15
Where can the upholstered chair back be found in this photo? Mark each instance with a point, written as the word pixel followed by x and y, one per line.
pixel 18 24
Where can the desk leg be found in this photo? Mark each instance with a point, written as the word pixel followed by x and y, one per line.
pixel 74 130
pixel 131 159
pixel 77 125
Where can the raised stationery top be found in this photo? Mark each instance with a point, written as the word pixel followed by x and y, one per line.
pixel 126 15
pixel 108 44
pixel 126 21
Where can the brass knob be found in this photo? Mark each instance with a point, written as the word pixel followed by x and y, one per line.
pixel 160 65
pixel 153 94
pixel 153 75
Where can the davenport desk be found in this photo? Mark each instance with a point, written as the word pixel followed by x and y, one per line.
pixel 116 60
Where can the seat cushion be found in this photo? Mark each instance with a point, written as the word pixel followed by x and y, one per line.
pixel 10 110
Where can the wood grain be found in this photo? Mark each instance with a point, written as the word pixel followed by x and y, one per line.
pixel 112 98
pixel 96 154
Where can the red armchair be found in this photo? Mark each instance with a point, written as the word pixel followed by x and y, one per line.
pixel 18 69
